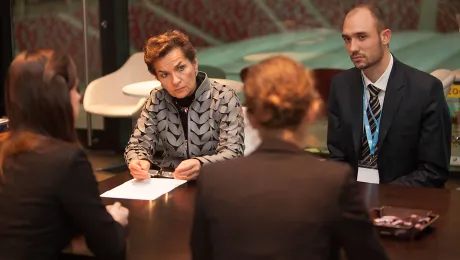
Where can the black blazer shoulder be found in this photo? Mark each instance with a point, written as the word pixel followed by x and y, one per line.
pixel 423 78
pixel 404 72
pixel 63 154
pixel 346 74
pixel 294 163
pixel 57 180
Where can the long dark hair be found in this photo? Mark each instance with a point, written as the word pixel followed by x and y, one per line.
pixel 37 100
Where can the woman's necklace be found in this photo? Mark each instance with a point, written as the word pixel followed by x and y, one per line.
pixel 182 108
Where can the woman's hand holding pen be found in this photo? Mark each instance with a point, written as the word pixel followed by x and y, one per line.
pixel 139 169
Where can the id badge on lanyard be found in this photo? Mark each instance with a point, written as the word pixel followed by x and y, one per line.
pixel 367 170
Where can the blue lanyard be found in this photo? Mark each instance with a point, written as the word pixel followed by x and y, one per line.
pixel 372 141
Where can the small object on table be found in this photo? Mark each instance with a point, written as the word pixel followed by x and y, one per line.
pixel 162 173
pixel 3 125
pixel 411 221
pixel 402 222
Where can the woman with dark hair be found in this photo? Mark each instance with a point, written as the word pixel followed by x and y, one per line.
pixel 48 193
pixel 198 120
pixel 280 202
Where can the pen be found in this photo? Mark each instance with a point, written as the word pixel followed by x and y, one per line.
pixel 161 174
pixel 154 173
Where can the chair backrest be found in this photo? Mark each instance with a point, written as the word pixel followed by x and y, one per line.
pixel 323 79
pixel 447 77
pixel 212 72
pixel 108 89
pixel 135 69
pixel 457 76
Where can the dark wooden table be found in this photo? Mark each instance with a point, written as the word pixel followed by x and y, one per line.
pixel 160 229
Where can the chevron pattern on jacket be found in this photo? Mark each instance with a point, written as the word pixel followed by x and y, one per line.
pixel 215 127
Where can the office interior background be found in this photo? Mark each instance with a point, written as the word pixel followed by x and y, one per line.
pixel 101 35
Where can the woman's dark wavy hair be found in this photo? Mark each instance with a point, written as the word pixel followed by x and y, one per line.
pixel 37 100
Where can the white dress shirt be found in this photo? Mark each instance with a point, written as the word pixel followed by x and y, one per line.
pixel 381 83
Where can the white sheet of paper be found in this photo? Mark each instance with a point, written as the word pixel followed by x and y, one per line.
pixel 148 189
pixel 368 175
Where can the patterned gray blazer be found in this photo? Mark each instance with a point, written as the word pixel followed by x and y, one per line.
pixel 215 127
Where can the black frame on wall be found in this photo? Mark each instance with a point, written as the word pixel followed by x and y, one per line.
pixel 114 30
pixel 114 45
pixel 6 47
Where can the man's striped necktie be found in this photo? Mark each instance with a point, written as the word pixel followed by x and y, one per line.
pixel 374 106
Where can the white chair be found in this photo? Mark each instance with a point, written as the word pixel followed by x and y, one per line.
pixel 104 95
pixel 447 77
pixel 457 76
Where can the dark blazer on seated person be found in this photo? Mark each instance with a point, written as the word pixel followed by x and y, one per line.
pixel 415 129
pixel 280 203
pixel 49 197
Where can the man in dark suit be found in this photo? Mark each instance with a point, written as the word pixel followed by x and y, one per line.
pixel 388 120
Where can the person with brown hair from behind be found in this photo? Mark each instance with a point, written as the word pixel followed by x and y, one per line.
pixel 280 202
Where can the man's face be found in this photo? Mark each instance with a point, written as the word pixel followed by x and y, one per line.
pixel 176 73
pixel 363 41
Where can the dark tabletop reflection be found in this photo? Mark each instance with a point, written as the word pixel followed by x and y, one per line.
pixel 160 229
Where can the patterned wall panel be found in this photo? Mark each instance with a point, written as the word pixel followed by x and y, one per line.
pixel 333 10
pixel 51 31
pixel 223 19
pixel 294 13
pixel 92 17
pixel 445 18
pixel 400 15
pixel 144 23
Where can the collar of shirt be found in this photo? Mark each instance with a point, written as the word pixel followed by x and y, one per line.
pixel 382 82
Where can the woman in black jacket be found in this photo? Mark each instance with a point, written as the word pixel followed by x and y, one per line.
pixel 48 193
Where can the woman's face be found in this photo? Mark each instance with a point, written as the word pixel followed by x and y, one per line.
pixel 75 98
pixel 176 73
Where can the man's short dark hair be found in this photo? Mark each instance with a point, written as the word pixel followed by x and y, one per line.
pixel 376 12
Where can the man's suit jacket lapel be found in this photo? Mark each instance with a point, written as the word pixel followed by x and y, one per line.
pixel 393 96
pixel 356 102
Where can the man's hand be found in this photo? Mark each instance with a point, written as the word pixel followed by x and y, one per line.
pixel 188 169
pixel 139 168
